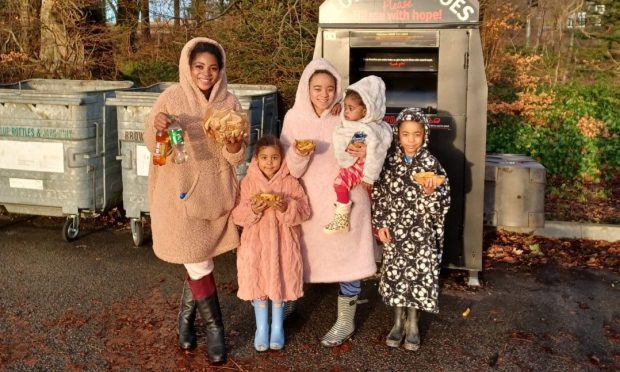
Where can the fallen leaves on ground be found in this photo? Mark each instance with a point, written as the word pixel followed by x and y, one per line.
pixel 522 335
pixel 612 334
pixel 583 201
pixel 136 334
pixel 529 250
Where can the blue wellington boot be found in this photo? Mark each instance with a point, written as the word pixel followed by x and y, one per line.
pixel 276 341
pixel 261 312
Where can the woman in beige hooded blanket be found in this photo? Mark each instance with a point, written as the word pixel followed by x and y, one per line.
pixel 191 202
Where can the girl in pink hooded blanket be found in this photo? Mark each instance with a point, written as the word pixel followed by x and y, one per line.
pixel 269 265
pixel 348 257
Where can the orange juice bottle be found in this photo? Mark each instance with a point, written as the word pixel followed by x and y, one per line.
pixel 161 147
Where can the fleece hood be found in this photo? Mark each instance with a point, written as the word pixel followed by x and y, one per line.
pixel 372 91
pixel 192 92
pixel 411 114
pixel 303 105
pixel 257 175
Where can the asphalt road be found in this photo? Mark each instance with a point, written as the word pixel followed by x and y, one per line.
pixel 99 303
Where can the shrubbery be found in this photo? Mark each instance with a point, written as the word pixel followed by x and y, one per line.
pixel 147 71
pixel 577 138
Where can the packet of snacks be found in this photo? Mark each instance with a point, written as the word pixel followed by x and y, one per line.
pixel 224 124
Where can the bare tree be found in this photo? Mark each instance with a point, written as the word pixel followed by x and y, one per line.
pixel 28 21
pixel 73 37
pixel 177 13
pixel 128 12
pixel 145 19
pixel 565 8
pixel 58 49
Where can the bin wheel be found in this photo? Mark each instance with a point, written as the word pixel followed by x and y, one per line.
pixel 71 229
pixel 137 231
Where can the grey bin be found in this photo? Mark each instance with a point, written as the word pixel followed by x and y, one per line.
pixel 261 104
pixel 514 191
pixel 58 144
pixel 134 105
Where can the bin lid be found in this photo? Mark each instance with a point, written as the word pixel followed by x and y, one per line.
pixel 60 91
pixel 511 160
pixel 69 86
pixel 141 96
pixel 241 90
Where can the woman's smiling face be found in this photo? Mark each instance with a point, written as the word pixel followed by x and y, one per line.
pixel 205 72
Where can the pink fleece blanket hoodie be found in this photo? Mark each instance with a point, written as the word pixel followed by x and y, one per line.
pixel 327 258
pixel 269 259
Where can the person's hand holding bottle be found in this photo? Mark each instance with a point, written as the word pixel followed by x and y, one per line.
pixel 162 121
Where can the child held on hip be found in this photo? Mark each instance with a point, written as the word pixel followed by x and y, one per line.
pixel 408 212
pixel 342 258
pixel 361 123
pixel 271 206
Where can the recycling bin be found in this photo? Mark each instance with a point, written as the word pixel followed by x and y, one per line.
pixel 429 55
pixel 57 149
pixel 514 191
pixel 260 102
pixel 133 107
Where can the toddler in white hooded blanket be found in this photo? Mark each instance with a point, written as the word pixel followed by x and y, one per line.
pixel 361 122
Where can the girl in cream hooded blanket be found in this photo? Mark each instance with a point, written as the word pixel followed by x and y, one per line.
pixel 197 227
pixel 328 259
pixel 377 135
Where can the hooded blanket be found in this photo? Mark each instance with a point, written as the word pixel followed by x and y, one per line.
pixel 269 259
pixel 327 258
pixel 197 227
pixel 378 133
pixel 412 260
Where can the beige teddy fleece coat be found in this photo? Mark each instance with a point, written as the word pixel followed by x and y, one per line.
pixel 197 227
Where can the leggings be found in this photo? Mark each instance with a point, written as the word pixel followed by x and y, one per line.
pixel 350 289
pixel 199 270
pixel 347 179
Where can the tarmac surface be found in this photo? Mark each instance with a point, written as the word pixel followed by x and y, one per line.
pixel 100 303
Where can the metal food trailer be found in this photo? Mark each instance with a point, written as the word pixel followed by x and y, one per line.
pixel 429 54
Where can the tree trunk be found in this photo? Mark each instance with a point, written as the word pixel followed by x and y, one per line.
pixel 177 13
pixel 146 21
pixel 128 13
pixel 28 32
pixel 198 11
pixel 541 27
pixel 60 52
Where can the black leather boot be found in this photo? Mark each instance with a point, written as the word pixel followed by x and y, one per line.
pixel 395 337
pixel 187 316
pixel 209 308
pixel 412 334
